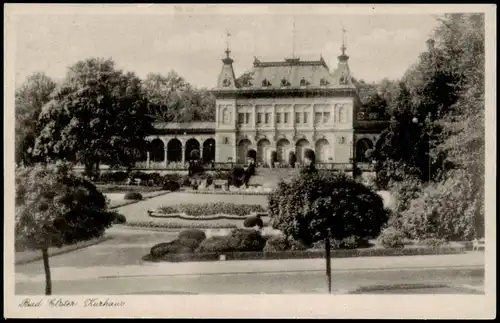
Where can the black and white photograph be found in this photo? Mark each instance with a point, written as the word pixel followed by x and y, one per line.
pixel 161 152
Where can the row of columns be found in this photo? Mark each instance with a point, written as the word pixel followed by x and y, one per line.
pixel 165 157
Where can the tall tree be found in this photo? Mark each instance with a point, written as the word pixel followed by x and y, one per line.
pixel 172 99
pixel 55 207
pixel 29 99
pixel 98 115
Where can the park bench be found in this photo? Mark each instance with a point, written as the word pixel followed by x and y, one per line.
pixel 477 244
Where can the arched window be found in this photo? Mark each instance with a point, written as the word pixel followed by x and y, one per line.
pixel 226 82
pixel 304 82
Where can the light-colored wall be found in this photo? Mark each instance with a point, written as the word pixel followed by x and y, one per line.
pixel 332 130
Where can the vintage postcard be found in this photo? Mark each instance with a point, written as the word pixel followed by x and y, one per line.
pixel 253 161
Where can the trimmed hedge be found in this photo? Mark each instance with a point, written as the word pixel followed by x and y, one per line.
pixel 119 218
pixel 281 243
pixel 171 186
pixel 237 241
pixel 253 221
pixel 213 209
pixel 194 234
pixel 133 196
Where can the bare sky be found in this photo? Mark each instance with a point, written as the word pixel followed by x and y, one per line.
pixel 193 42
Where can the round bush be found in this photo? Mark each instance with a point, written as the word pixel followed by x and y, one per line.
pixel 172 247
pixel 253 221
pixel 133 196
pixel 239 240
pixel 194 234
pixel 353 242
pixel 170 186
pixel 391 238
pixel 119 218
pixel 209 180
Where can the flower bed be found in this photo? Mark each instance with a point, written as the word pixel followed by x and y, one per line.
pixel 185 216
pixel 224 192
pixel 170 225
pixel 212 209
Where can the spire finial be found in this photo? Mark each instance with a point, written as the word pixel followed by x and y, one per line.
pixel 227 44
pixel 343 48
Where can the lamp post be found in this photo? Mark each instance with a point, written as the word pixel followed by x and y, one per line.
pixel 425 124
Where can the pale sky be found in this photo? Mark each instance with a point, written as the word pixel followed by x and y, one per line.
pixel 193 43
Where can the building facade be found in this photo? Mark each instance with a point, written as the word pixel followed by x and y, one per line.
pixel 282 106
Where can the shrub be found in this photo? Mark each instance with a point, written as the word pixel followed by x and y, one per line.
pixel 236 177
pixel 253 221
pixel 170 186
pixel 354 242
pixel 119 218
pixel 215 244
pixel 174 177
pixel 239 240
pixel 133 196
pixel 186 181
pixel 209 180
pixel 119 176
pixel 433 242
pixel 194 234
pixel 220 174
pixel 281 243
pixel 334 244
pixel 391 238
pixel 449 210
pixel 106 177
pixel 172 247
pixel 212 209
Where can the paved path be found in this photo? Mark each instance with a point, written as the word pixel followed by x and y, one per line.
pixel 138 211
pixel 69 272
pixel 266 283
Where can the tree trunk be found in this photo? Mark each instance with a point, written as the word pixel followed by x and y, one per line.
pixel 46 267
pixel 328 264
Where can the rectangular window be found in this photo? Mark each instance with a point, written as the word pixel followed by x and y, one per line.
pixel 268 118
pixel 297 117
pixel 259 117
pixel 317 117
pixel 278 117
pixel 286 117
pixel 248 116
pixel 326 117
pixel 305 117
pixel 241 118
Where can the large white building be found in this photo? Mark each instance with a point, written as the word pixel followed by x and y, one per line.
pixel 282 106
